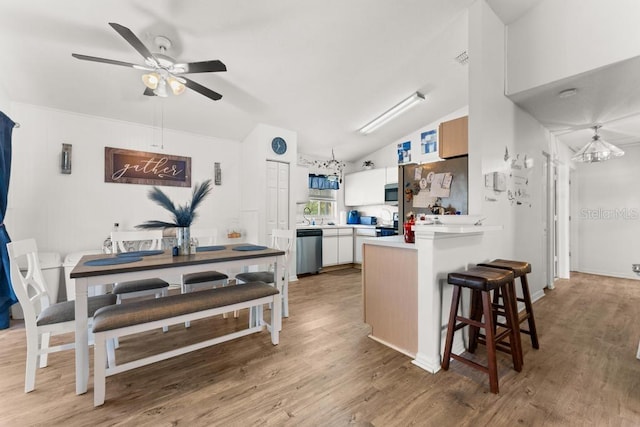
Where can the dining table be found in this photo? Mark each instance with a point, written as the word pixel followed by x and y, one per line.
pixel 96 270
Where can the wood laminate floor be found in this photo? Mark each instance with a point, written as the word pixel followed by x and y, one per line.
pixel 326 372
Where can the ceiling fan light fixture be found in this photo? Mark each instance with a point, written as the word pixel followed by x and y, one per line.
pixel 177 87
pixel 597 150
pixel 161 90
pixel 392 113
pixel 151 80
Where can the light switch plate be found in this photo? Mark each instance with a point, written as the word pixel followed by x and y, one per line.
pixel 499 181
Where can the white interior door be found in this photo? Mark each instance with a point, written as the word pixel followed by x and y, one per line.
pixel 283 196
pixel 277 211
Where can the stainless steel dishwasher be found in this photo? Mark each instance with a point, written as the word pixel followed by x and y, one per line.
pixel 308 250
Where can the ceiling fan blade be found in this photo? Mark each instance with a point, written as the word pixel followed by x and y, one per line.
pixel 109 61
pixel 149 92
pixel 201 89
pixel 134 41
pixel 202 67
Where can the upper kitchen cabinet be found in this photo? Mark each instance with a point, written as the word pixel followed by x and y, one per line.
pixel 365 187
pixel 454 137
pixel 391 175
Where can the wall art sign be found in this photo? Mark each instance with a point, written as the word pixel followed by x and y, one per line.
pixel 141 167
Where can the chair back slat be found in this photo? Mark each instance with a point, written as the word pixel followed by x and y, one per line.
pixel 205 236
pixel 127 241
pixel 29 286
pixel 283 240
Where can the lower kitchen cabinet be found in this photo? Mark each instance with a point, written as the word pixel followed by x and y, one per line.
pixel 361 234
pixel 337 246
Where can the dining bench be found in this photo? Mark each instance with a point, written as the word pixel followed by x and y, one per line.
pixel 141 316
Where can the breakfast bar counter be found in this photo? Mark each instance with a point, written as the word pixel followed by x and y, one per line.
pixel 390 291
pixel 406 300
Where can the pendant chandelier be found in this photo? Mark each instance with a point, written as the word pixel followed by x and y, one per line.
pixel 332 166
pixel 597 150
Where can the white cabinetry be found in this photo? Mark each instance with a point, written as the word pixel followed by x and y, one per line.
pixel 277 197
pixel 361 234
pixel 365 187
pixel 345 245
pixel 337 246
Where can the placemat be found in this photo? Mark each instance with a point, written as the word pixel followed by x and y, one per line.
pixel 210 248
pixel 249 248
pixel 140 253
pixel 112 261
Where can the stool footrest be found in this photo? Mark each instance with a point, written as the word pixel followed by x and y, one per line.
pixel 466 321
pixel 503 346
pixel 470 363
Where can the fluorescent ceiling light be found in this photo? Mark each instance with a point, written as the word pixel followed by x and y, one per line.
pixel 392 113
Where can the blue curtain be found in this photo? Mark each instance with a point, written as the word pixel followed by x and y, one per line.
pixel 322 182
pixel 7 296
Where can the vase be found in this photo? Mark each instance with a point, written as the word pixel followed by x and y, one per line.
pixel 183 236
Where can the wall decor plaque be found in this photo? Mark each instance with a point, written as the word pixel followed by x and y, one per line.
pixel 141 167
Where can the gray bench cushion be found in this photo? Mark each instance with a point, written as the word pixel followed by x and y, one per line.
pixel 258 276
pixel 205 276
pixel 65 311
pixel 139 285
pixel 134 313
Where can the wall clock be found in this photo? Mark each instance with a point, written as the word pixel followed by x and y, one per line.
pixel 279 145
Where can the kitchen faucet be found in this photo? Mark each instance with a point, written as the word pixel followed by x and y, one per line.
pixel 306 211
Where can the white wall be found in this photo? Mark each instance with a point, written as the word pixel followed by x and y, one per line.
pixel 608 215
pixel 559 39
pixel 5 102
pixel 497 125
pixel 256 150
pixel 67 213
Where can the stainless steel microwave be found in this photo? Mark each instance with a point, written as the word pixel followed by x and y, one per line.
pixel 391 194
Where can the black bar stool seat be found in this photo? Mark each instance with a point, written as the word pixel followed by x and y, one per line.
pixel 481 281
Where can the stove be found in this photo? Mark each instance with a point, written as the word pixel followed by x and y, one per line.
pixel 382 231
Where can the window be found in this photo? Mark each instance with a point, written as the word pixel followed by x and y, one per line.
pixel 322 203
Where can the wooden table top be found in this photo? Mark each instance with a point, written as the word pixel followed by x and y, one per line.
pixel 167 260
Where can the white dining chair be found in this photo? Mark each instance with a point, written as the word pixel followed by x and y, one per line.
pixel 42 319
pixel 206 279
pixel 143 240
pixel 283 240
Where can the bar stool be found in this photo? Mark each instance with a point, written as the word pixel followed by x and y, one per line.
pixel 519 269
pixel 481 281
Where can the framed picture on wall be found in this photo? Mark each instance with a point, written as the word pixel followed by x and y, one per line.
pixel 429 141
pixel 404 152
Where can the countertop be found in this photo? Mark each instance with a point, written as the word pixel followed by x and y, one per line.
pixel 307 226
pixel 391 241
pixel 456 228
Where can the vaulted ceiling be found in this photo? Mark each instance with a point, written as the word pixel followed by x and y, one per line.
pixel 321 68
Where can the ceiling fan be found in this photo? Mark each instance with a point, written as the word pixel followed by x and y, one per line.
pixel 163 70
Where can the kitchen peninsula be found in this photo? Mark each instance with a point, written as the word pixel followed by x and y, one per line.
pixel 406 299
